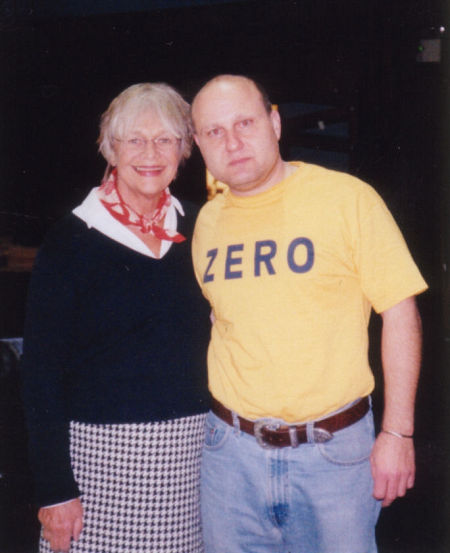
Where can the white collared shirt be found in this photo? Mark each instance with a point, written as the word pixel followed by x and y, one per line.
pixel 94 214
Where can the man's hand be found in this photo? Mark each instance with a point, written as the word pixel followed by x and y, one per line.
pixel 393 467
pixel 61 523
pixel 393 464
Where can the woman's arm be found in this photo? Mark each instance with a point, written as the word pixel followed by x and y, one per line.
pixel 47 349
pixel 61 523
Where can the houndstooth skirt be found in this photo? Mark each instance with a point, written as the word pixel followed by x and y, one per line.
pixel 139 485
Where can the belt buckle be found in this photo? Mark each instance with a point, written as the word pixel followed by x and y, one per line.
pixel 321 435
pixel 258 427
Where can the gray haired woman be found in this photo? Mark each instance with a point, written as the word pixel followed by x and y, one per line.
pixel 114 348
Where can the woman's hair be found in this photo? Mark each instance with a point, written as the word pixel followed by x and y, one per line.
pixel 129 105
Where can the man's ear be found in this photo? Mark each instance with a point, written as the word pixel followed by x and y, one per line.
pixel 196 139
pixel 276 122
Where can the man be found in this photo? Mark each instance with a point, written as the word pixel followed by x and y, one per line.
pixel 292 258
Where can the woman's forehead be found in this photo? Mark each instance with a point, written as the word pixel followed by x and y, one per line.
pixel 143 120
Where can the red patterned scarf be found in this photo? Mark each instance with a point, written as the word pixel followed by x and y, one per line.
pixel 112 200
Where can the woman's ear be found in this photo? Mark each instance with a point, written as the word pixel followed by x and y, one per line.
pixel 113 157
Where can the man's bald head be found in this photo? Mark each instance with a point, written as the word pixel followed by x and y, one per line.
pixel 233 79
pixel 237 132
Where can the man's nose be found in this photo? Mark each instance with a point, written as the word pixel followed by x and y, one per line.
pixel 233 141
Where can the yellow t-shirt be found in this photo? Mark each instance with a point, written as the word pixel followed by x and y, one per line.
pixel 291 275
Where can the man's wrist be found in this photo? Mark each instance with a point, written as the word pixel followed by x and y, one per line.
pixel 397 434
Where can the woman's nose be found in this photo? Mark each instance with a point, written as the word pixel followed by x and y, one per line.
pixel 150 147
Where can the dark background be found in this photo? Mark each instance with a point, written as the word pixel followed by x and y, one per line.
pixel 61 63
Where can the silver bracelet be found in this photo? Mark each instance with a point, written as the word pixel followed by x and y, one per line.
pixel 397 434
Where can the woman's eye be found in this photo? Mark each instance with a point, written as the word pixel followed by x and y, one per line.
pixel 135 141
pixel 164 140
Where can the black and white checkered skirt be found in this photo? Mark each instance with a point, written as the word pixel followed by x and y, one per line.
pixel 140 486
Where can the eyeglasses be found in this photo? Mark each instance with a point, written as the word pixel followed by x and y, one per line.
pixel 161 143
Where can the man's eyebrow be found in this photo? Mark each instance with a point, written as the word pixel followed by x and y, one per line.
pixel 209 126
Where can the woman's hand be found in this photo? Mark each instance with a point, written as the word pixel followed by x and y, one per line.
pixel 61 523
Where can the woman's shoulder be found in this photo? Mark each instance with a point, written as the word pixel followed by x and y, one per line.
pixel 68 225
pixel 65 236
pixel 65 231
pixel 190 208
pixel 187 221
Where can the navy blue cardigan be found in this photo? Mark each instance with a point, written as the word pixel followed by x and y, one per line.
pixel 111 336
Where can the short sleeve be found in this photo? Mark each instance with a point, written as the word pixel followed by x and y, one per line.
pixel 385 265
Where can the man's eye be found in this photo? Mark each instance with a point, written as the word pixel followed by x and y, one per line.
pixel 213 133
pixel 245 123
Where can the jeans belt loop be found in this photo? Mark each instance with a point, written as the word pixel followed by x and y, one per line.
pixel 293 436
pixel 236 423
pixel 310 432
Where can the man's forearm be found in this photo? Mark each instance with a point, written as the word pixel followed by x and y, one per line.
pixel 401 348
pixel 392 459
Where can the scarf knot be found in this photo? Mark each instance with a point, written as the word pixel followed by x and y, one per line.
pixel 111 199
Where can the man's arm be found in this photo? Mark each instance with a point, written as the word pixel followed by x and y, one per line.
pixel 393 459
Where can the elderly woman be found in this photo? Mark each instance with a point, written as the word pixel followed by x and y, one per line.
pixel 114 349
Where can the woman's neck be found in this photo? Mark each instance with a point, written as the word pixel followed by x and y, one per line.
pixel 144 205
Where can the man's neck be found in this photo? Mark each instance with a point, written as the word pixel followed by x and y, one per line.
pixel 281 171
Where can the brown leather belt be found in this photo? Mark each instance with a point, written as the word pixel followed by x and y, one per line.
pixel 273 433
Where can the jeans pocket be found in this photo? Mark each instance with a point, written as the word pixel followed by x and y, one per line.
pixel 216 432
pixel 352 445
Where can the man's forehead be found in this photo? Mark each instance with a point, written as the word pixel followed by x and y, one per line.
pixel 226 87
pixel 217 98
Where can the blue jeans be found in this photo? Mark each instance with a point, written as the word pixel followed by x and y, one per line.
pixel 316 498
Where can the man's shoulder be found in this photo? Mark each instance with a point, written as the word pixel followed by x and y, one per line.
pixel 331 183
pixel 311 171
pixel 211 209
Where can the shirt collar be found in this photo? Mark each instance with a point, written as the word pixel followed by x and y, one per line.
pixel 94 214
